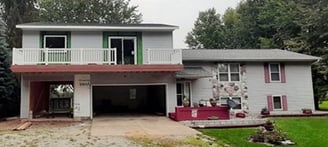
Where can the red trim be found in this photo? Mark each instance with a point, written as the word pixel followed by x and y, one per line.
pixel 284 103
pixel 282 72
pixel 270 103
pixel 266 73
pixel 94 68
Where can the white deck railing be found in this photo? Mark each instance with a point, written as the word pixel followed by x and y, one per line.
pixel 164 56
pixel 34 56
pixel 83 56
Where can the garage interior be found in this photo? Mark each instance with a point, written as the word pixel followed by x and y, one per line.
pixel 130 100
pixel 51 99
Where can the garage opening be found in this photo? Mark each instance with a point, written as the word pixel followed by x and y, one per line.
pixel 138 99
pixel 51 99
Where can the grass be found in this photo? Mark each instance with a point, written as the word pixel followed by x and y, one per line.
pixel 306 132
pixel 323 105
pixel 197 141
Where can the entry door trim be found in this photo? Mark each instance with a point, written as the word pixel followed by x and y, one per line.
pixel 134 45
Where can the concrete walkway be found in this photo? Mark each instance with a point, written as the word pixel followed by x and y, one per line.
pixel 139 125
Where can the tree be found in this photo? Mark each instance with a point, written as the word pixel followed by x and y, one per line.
pixel 207 31
pixel 16 12
pixel 89 11
pixel 7 80
pixel 297 25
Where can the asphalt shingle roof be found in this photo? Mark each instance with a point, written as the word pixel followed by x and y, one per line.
pixel 244 55
pixel 96 24
pixel 193 72
pixel 48 26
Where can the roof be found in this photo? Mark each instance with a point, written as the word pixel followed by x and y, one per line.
pixel 193 72
pixel 251 55
pixel 96 26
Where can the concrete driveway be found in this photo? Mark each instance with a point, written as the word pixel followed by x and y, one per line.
pixel 139 125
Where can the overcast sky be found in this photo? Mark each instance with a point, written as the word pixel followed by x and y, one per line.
pixel 182 13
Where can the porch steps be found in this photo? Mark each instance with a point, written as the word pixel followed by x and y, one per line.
pixel 232 123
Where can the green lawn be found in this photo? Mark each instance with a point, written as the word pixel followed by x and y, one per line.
pixel 306 132
pixel 323 105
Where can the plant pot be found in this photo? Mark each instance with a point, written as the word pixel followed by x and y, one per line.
pixel 213 104
pixel 265 112
pixel 186 103
pixel 307 111
pixel 240 115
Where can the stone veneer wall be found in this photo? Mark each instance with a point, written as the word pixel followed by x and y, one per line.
pixel 232 89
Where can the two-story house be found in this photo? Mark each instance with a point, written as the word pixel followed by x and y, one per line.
pixel 119 68
pixel 133 68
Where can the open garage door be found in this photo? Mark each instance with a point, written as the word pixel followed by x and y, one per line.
pixel 136 99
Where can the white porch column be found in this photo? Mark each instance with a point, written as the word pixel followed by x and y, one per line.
pixel 25 98
pixel 82 96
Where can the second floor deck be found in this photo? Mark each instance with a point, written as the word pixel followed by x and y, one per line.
pixel 87 56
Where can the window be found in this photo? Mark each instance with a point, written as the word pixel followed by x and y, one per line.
pixel 277 102
pixel 223 101
pixel 274 72
pixel 55 41
pixel 183 90
pixel 229 72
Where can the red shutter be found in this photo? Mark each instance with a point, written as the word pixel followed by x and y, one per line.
pixel 266 73
pixel 270 103
pixel 284 103
pixel 282 72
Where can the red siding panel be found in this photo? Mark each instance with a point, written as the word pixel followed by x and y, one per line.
pixel 284 103
pixel 266 73
pixel 270 102
pixel 95 68
pixel 283 73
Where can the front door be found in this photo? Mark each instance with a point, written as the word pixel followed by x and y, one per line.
pixel 125 49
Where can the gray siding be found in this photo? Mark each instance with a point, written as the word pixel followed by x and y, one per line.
pixel 153 40
pixel 31 39
pixel 86 39
pixel 298 87
pixel 201 89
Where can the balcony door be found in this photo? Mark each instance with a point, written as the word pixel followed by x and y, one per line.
pixel 125 49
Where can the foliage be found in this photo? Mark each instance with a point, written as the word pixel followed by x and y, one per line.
pixel 299 130
pixel 208 31
pixel 15 12
pixel 8 84
pixel 89 11
pixel 323 105
pixel 296 25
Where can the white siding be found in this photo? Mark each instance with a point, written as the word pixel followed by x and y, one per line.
pixel 25 98
pixel 153 40
pixel 31 39
pixel 201 89
pixel 298 87
pixel 86 39
pixel 82 96
pixel 141 78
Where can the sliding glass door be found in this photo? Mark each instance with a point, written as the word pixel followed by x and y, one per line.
pixel 125 49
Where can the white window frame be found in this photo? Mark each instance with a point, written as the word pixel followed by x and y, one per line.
pixel 280 96
pixel 275 72
pixel 122 37
pixel 232 99
pixel 190 93
pixel 229 72
pixel 46 36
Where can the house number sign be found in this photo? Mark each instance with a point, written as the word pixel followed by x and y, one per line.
pixel 84 82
